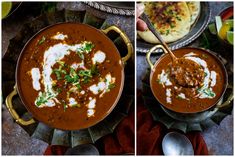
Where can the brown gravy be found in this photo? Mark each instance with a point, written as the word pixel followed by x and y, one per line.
pixel 189 99
pixel 71 82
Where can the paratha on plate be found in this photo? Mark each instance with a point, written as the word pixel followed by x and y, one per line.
pixel 194 8
pixel 171 19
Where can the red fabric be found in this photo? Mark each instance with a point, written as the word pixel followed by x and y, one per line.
pixel 122 141
pixel 55 150
pixel 151 133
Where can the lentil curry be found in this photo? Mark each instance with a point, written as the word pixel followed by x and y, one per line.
pixel 70 76
pixel 189 99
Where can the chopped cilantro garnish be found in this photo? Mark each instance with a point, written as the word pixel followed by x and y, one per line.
pixel 85 73
pixel 41 99
pixel 68 78
pixel 167 31
pixel 178 18
pixel 57 73
pixel 43 39
pixel 81 55
pixel 86 47
pixel 111 86
pixel 94 70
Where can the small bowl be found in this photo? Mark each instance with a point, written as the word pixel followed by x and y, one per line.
pixel 225 15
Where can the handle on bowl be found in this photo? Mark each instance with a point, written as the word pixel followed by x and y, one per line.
pixel 151 51
pixel 228 101
pixel 125 38
pixel 13 112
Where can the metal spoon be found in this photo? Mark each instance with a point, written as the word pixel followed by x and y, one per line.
pixel 145 18
pixel 182 68
pixel 85 149
pixel 176 144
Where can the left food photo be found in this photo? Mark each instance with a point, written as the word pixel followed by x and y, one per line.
pixel 68 78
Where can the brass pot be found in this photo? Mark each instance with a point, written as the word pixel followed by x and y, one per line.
pixel 190 116
pixel 18 89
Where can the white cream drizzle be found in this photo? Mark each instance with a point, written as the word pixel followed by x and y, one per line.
pixel 72 102
pixel 59 36
pixel 168 95
pixel 206 81
pixel 213 78
pixel 98 57
pixel 75 66
pixel 35 73
pixel 103 86
pixel 164 78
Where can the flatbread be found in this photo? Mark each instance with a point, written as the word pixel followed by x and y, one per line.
pixel 171 19
pixel 194 8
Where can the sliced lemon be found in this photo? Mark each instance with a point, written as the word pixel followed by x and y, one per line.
pixel 6 8
pixel 224 29
pixel 230 37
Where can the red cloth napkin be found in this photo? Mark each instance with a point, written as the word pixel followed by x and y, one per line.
pixel 151 133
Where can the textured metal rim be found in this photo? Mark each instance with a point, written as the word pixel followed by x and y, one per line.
pixel 109 9
pixel 188 40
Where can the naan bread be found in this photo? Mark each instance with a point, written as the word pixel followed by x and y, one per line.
pixel 171 19
pixel 194 8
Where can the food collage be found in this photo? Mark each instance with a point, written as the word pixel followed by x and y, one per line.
pixel 117 78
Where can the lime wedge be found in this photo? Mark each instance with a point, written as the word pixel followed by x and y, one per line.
pixel 212 28
pixel 230 37
pixel 218 23
pixel 6 8
pixel 229 22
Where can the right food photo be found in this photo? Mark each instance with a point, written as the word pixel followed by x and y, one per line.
pixel 184 78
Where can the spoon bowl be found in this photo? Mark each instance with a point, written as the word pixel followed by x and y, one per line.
pixel 85 149
pixel 176 144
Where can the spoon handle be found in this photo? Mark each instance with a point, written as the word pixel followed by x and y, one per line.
pixel 145 18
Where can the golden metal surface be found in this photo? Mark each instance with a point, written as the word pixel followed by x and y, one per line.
pixel 12 110
pixel 125 38
pixel 153 49
pixel 227 103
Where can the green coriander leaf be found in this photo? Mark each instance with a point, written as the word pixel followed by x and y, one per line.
pixel 43 39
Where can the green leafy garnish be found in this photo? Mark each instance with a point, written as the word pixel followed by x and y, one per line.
pixel 167 31
pixel 83 73
pixel 94 70
pixel 178 97
pixel 111 86
pixel 81 55
pixel 86 47
pixel 68 78
pixel 42 40
pixel 57 73
pixel 178 18
pixel 209 92
pixel 41 99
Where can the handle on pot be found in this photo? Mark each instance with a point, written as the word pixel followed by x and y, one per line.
pixel 228 101
pixel 151 51
pixel 13 112
pixel 125 38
